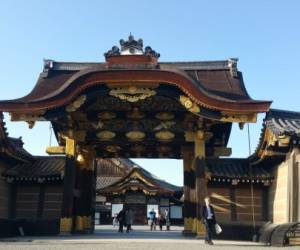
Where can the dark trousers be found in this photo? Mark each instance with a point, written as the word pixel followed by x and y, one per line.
pixel 209 225
pixel 128 228
pixel 121 225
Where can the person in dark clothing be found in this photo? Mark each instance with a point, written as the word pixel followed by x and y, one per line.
pixel 128 219
pixel 122 219
pixel 160 220
pixel 209 219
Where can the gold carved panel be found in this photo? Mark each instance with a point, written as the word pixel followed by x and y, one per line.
pixel 106 135
pixel 164 135
pixel 135 135
pixel 132 93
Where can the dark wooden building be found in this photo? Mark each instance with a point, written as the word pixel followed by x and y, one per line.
pixel 108 172
pixel 141 191
pixel 30 189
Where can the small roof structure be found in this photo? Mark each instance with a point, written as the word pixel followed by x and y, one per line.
pixel 40 169
pixel 111 170
pixel 237 170
pixel 12 148
pixel 280 132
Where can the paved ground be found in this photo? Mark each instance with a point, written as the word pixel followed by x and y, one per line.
pixel 107 238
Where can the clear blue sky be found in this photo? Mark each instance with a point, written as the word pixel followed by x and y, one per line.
pixel 264 35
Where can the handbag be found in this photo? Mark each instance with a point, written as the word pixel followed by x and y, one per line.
pixel 218 229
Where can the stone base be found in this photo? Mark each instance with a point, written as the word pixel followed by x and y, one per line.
pixel 186 233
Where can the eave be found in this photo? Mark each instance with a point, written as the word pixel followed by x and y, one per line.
pixel 87 78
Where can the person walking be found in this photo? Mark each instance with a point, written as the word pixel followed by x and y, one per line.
pixel 152 218
pixel 122 219
pixel 160 220
pixel 209 219
pixel 129 219
pixel 115 220
pixel 167 219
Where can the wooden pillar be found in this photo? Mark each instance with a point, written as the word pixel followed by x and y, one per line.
pixel 201 185
pixel 86 186
pixel 66 220
pixel 233 204
pixel 93 188
pixel 188 180
pixel 90 196
pixel 79 196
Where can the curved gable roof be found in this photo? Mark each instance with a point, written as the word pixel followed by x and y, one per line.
pixel 212 84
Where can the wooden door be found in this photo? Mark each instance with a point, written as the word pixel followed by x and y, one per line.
pixel 139 212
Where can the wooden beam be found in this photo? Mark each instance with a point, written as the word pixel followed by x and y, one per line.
pixel 56 150
pixel 229 117
pixel 221 151
pixel 32 116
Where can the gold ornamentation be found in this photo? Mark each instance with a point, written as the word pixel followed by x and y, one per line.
pixel 164 135
pixel 164 125
pixel 97 125
pixel 222 151
pixel 194 227
pixel 200 135
pixel 70 147
pixel 76 104
pixel 164 116
pixel 188 224
pixel 113 149
pixel 106 115
pixel 189 104
pixel 137 175
pixel 132 93
pixel 226 117
pixel 30 124
pixel 200 228
pixel 106 135
pixel 86 221
pixel 36 116
pixel 189 136
pixel 283 140
pixel 79 223
pixel 135 135
pixel 65 225
pixel 55 150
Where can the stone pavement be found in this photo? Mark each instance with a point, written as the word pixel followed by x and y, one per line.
pixel 107 238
